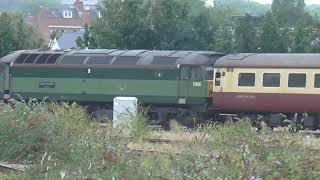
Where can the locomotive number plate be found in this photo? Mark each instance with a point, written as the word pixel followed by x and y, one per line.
pixel 196 84
pixel 47 85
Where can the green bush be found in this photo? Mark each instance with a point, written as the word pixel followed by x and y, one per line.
pixel 62 143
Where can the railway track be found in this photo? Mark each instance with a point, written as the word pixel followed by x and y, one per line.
pixel 141 150
pixel 315 134
pixel 7 167
pixel 156 142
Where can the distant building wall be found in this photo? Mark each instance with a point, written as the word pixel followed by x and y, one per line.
pixel 63 19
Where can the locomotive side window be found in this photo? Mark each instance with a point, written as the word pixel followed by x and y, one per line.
pixel 196 73
pixel 271 80
pixel 30 59
pixel 185 73
pixel 42 59
pixel 317 80
pixel 72 60
pixel 297 80
pixel 246 79
pixel 1 72
pixel 53 59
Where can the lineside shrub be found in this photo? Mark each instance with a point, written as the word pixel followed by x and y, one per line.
pixel 61 142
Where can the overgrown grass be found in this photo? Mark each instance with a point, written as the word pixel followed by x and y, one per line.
pixel 133 124
pixel 61 142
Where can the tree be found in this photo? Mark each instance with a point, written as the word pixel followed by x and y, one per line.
pixel 224 39
pixel 156 24
pixel 87 40
pixel 299 9
pixel 16 34
pixel 270 39
pixel 302 42
pixel 123 25
pixel 171 22
pixel 25 6
pixel 243 6
pixel 315 48
pixel 286 38
pixel 31 6
pixel 6 34
pixel 245 35
pixel 288 11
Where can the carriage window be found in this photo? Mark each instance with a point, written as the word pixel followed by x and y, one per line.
pixel 217 81
pixel 246 79
pixel 317 81
pixel 297 80
pixel 271 80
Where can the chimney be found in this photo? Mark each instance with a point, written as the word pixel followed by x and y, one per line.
pixel 78 4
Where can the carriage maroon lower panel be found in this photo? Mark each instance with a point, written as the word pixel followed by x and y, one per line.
pixel 261 102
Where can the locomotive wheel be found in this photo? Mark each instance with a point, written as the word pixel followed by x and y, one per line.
pixel 103 115
pixel 186 118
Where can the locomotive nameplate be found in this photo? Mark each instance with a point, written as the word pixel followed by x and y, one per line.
pixel 47 85
pixel 196 84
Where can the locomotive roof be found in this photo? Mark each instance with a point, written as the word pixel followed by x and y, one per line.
pixel 112 57
pixel 276 60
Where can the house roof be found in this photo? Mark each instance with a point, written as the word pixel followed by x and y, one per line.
pixel 85 2
pixel 67 40
pixel 57 12
pixel 69 5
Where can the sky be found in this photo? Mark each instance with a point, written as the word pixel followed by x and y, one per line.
pixel 270 1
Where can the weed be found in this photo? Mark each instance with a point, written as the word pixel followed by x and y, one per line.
pixel 61 143
pixel 175 126
pixel 135 123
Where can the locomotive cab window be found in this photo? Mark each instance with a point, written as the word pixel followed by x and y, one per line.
pixel 297 80
pixel 317 80
pixel 271 80
pixel 185 73
pixel 246 79
pixel 209 72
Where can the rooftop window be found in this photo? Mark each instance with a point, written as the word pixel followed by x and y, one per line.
pixel 67 14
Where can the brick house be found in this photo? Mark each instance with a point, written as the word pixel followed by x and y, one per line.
pixel 63 18
pixel 85 2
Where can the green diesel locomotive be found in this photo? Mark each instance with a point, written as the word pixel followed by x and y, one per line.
pixel 173 84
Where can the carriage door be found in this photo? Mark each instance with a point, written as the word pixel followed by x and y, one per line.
pixel 185 73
